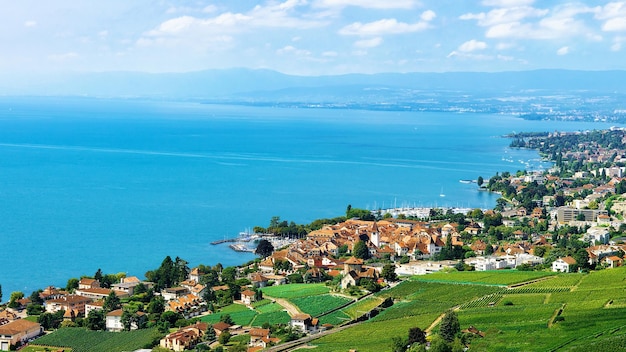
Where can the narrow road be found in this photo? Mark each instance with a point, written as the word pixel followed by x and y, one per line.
pixel 291 309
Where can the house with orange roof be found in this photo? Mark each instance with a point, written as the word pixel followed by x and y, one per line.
pixel 85 283
pixel 612 261
pixel 185 338
pixel 247 297
pixel 99 293
pixel 304 323
pixel 17 333
pixel 67 303
pixel 188 306
pixel 565 265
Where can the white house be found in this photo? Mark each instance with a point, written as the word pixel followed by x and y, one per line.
pixel 18 332
pixel 597 235
pixel 303 322
pixel 114 321
pixel 564 265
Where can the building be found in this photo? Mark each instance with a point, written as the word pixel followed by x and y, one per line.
pixel 185 338
pixel 567 214
pixel 172 293
pixel 303 322
pixel 114 321
pixel 68 303
pixel 247 297
pixel 564 265
pixel 18 332
pixel 99 293
pixel 85 283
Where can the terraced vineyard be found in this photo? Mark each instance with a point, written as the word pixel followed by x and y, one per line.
pixel 83 340
pixel 591 311
pixel 490 277
pixel 317 305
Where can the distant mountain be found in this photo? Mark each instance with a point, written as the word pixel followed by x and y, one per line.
pixel 259 84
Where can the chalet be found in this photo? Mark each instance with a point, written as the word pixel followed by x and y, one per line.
pixel 188 306
pixel 17 333
pixel 565 265
pixel 185 338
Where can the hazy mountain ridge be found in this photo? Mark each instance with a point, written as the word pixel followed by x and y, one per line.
pixel 242 83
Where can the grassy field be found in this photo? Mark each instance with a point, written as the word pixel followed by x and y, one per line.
pixel 316 305
pixel 295 290
pixel 570 312
pixel 356 310
pixel 83 340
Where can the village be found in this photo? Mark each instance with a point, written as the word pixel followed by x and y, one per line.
pixel 567 219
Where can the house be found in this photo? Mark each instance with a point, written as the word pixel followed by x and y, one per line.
pixel 261 338
pixel 564 265
pixel 247 297
pixel 129 284
pixel 221 327
pixel 18 332
pixel 303 322
pixel 185 338
pixel 195 274
pixel 95 305
pixel 354 271
pixel 67 303
pixel 114 321
pixel 7 316
pixel 613 261
pixel 258 280
pixel 188 306
pixel 88 283
pixel 595 235
pixel 171 293
pixel 51 292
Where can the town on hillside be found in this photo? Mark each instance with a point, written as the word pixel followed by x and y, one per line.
pixel 565 219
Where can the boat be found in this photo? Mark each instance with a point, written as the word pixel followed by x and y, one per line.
pixel 465 181
pixel 442 194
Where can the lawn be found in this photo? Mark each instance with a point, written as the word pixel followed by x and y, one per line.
pixel 295 290
pixel 83 340
pixel 317 305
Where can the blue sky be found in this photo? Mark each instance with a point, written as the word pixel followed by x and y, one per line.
pixel 311 37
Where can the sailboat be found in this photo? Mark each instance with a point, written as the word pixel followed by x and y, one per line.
pixel 442 194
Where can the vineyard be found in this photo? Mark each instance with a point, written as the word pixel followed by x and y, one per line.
pixel 591 310
pixel 295 290
pixel 83 340
pixel 317 305
pixel 240 314
pixel 491 277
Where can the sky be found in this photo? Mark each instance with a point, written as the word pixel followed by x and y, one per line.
pixel 311 37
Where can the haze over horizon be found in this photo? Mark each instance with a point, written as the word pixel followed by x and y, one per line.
pixel 314 37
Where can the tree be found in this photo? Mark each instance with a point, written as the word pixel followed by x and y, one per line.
pixel 398 344
pixel 480 181
pixel 98 275
pixel 416 335
pixel 15 296
pixel 95 320
pixel 360 250
pixel 224 337
pixel 0 293
pixel 449 326
pixel 35 298
pixel 226 319
pixel 389 273
pixel 111 303
pixel 209 334
pixel 264 248
pixel 72 284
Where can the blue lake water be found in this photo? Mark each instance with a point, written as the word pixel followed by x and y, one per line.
pixel 120 184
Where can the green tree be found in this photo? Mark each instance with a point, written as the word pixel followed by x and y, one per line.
pixel 398 344
pixel 72 284
pixel 360 250
pixel 264 248
pixel 224 337
pixel 95 320
pixel 35 298
pixel 449 327
pixel 98 275
pixel 209 334
pixel 111 302
pixel 15 296
pixel 480 181
pixel 416 335
pixel 438 344
pixel 225 318
pixel 389 273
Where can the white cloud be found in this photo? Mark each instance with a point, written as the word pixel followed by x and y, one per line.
pixel 381 27
pixel 616 47
pixel 428 15
pixel 472 45
pixel 330 54
pixel 504 15
pixel 368 43
pixel 370 4
pixel 563 51
pixel 30 24
pixel 63 57
pixel 507 3
pixel 290 50
pixel 504 46
pixel 615 25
